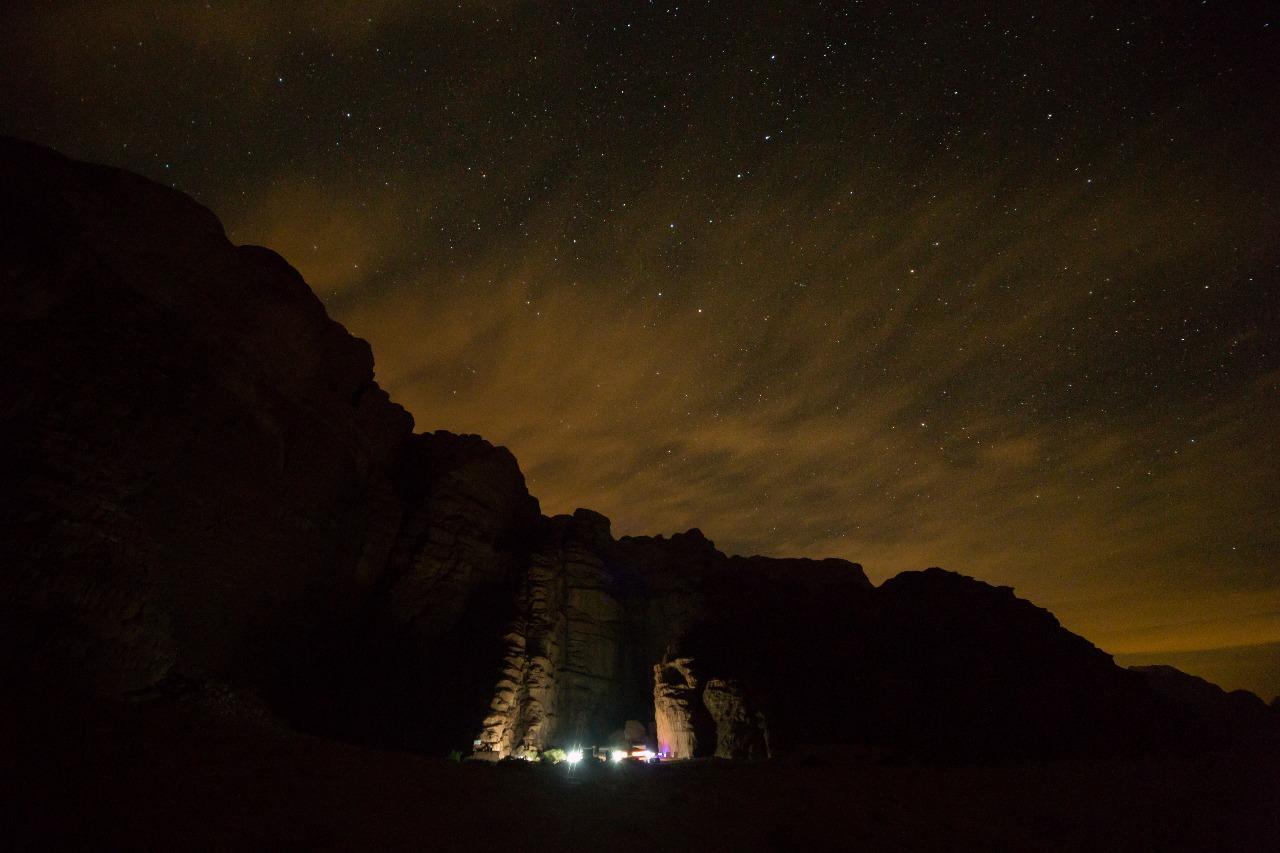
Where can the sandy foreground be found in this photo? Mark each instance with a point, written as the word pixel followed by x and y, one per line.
pixel 173 777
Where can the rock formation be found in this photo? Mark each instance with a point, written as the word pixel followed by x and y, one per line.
pixel 741 731
pixel 1207 701
pixel 677 700
pixel 560 675
pixel 197 459
pixel 204 485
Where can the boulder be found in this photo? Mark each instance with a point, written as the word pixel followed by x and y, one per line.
pixel 740 730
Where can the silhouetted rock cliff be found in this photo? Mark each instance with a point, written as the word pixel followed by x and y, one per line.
pixel 1207 701
pixel 204 485
pixel 198 463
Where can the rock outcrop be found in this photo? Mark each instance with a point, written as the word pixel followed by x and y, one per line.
pixel 596 613
pixel 1207 701
pixel 677 705
pixel 435 624
pixel 197 461
pixel 560 676
pixel 203 482
pixel 741 731
pixel 204 487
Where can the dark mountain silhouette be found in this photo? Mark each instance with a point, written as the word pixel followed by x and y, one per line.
pixel 206 494
pixel 1207 701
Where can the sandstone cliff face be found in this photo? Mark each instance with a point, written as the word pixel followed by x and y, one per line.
pixel 434 627
pixel 598 633
pixel 196 457
pixel 466 513
pixel 561 673
pixel 677 702
pixel 204 485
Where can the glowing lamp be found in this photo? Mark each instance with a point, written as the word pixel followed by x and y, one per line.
pixel 618 755
pixel 574 756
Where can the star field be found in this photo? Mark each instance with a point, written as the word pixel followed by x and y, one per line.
pixel 987 287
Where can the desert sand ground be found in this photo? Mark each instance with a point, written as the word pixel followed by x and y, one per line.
pixel 173 777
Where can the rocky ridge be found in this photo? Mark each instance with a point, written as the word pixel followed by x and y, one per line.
pixel 204 484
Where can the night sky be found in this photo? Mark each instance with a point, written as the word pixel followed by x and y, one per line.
pixel 951 284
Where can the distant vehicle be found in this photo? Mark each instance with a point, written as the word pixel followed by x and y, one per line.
pixel 638 752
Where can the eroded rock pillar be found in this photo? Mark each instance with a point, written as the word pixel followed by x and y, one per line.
pixel 675 705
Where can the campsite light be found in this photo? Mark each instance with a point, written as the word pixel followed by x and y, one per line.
pixel 618 755
pixel 574 756
pixel 647 755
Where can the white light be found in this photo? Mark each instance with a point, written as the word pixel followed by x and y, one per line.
pixel 574 756
pixel 647 755
pixel 618 755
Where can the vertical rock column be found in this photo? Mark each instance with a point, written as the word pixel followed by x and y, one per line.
pixel 590 675
pixel 560 683
pixel 523 711
pixel 676 702
pixel 740 730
